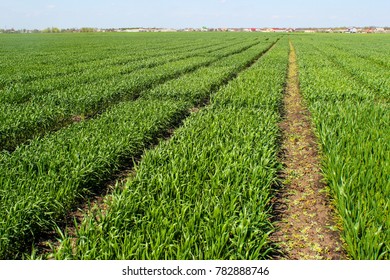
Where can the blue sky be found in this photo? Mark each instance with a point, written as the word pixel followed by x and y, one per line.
pixel 190 13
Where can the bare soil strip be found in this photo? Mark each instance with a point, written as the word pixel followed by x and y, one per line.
pixel 305 219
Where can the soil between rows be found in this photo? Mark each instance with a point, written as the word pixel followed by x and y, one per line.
pixel 306 226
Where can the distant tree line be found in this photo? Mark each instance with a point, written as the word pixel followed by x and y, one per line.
pixel 58 30
pixel 51 30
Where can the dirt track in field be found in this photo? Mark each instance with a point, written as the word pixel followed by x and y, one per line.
pixel 306 227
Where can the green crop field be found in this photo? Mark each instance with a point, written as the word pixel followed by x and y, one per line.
pixel 191 119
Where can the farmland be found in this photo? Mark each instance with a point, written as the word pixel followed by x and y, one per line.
pixel 190 121
pixel 349 97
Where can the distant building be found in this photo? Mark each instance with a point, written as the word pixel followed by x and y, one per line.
pixel 341 30
pixel 379 30
pixel 132 30
pixel 168 30
pixel 279 30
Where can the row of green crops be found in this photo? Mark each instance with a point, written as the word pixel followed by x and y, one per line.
pixel 40 182
pixel 372 48
pixel 205 193
pixel 35 57
pixel 372 75
pixel 96 72
pixel 47 112
pixel 352 123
